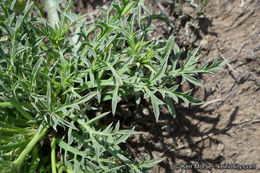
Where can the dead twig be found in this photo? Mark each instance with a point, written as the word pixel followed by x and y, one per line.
pixel 208 136
pixel 211 102
pixel 194 142
pixel 245 122
pixel 242 21
pixel 228 64
pixel 233 59
pixel 237 17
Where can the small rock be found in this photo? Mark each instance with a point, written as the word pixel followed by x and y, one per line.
pixel 220 147
pixel 187 10
pixel 146 111
pixel 204 44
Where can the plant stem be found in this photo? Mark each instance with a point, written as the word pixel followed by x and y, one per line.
pixel 11 104
pixel 19 161
pixel 15 145
pixel 6 104
pixel 18 106
pixel 13 130
pixel 50 6
pixel 53 155
pixel 64 168
pixel 35 160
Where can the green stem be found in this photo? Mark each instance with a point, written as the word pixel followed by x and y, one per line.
pixel 35 160
pixel 6 104
pixel 64 168
pixel 19 161
pixel 13 130
pixel 13 146
pixel 53 155
pixel 50 6
pixel 22 111
pixel 18 106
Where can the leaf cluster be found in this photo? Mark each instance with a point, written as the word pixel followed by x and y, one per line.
pixel 54 77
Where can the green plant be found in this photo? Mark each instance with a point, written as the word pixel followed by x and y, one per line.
pixel 188 16
pixel 53 78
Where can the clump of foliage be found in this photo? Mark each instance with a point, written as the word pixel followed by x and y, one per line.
pixel 187 16
pixel 54 76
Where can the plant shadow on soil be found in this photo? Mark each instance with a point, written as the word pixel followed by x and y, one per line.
pixel 177 139
pixel 170 137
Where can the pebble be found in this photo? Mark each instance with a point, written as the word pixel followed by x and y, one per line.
pixel 220 147
pixel 204 44
pixel 146 111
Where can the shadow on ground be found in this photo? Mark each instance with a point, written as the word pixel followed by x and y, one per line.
pixel 180 138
